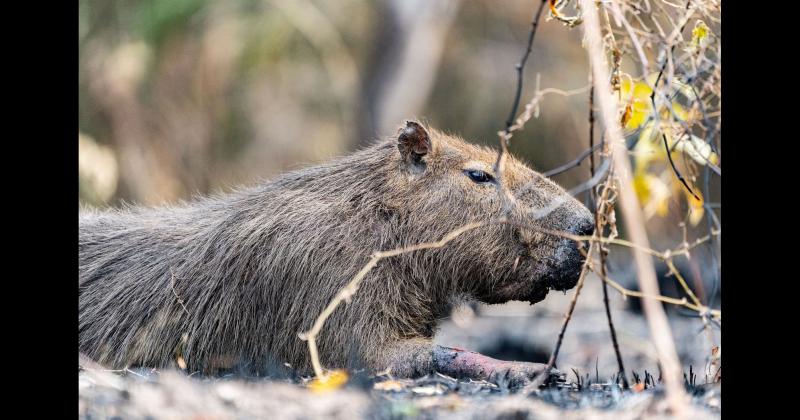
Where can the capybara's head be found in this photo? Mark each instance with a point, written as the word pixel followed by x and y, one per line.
pixel 445 183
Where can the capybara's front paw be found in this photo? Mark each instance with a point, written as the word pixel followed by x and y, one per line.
pixel 518 374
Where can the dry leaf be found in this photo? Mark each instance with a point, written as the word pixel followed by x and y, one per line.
pixel 390 385
pixel 553 10
pixel 653 193
pixel 626 115
pixel 696 209
pixel 637 95
pixel 330 382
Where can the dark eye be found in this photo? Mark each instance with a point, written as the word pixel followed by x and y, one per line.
pixel 478 176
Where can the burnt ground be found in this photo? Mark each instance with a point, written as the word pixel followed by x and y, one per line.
pixel 175 395
pixel 514 331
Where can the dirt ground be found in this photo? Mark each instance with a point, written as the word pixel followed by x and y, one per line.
pixel 515 331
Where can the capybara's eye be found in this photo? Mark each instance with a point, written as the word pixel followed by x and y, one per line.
pixel 478 176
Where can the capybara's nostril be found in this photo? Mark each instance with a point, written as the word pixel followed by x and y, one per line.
pixel 585 227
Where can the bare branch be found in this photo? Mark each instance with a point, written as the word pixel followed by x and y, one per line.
pixel 521 66
pixel 701 309
pixel 505 135
pixel 574 163
pixel 674 169
pixel 352 287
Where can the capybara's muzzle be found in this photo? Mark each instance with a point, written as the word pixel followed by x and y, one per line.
pixel 570 258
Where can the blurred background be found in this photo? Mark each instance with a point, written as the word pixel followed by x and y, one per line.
pixel 191 96
pixel 187 97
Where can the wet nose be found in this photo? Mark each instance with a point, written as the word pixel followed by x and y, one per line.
pixel 584 227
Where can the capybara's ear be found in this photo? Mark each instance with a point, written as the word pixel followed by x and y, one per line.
pixel 413 142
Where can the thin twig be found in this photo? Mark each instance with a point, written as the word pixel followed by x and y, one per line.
pixel 655 108
pixel 612 331
pixel 603 207
pixel 352 287
pixel 541 377
pixel 700 309
pixel 681 281
pixel 593 181
pixel 591 128
pixel 505 135
pixel 663 255
pixel 620 16
pixel 520 67
pixel 674 169
pixel 573 163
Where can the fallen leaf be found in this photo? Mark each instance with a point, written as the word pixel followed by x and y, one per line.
pixel 390 385
pixel 330 382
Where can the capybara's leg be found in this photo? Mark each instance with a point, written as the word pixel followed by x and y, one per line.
pixel 461 363
pixel 412 358
pixel 407 358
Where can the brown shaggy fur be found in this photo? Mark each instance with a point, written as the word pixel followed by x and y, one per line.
pixel 240 275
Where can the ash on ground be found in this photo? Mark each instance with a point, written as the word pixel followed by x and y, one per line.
pixel 171 394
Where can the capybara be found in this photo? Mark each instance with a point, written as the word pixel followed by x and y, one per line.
pixel 229 281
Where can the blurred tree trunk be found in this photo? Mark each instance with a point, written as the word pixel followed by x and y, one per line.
pixel 402 66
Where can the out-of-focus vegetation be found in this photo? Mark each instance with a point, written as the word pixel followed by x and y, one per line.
pixel 193 96
pixel 196 95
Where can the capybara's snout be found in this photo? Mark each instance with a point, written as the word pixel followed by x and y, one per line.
pixel 571 253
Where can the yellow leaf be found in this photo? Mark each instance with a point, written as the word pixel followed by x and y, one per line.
pixel 641 110
pixel 700 36
pixel 330 382
pixel 700 31
pixel 696 209
pixel 641 90
pixel 553 10
pixel 637 96
pixel 647 149
pixel 641 187
pixel 653 193
pixel 680 111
